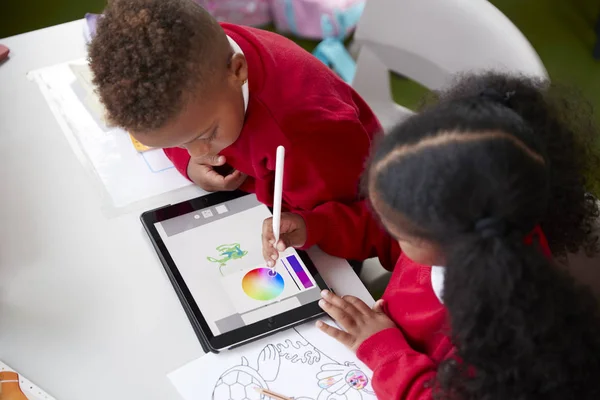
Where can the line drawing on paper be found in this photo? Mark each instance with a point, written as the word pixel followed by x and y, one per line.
pixel 242 381
pixel 333 380
pixel 151 168
pixel 227 252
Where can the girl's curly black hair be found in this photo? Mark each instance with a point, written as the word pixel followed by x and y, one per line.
pixel 476 172
pixel 564 124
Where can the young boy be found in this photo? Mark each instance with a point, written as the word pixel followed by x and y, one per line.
pixel 220 99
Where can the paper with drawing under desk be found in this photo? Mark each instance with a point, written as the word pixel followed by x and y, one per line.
pixel 302 363
pixel 124 174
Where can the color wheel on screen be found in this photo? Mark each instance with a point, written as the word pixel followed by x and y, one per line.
pixel 262 284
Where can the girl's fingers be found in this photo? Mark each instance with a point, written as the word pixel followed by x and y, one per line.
pixel 344 319
pixel 339 302
pixel 378 307
pixel 360 305
pixel 339 335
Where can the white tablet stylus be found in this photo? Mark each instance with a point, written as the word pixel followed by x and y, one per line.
pixel 278 192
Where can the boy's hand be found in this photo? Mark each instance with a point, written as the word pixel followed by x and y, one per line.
pixel 291 234
pixel 358 319
pixel 202 171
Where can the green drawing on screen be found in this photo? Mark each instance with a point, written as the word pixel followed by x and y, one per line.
pixel 227 252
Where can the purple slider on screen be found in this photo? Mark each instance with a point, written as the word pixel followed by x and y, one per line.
pixel 300 273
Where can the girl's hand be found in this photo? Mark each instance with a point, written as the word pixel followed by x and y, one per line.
pixel 292 233
pixel 358 319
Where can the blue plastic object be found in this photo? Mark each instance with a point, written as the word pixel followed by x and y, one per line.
pixel 333 54
pixel 332 51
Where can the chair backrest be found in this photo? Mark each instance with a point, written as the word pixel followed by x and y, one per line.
pixel 429 41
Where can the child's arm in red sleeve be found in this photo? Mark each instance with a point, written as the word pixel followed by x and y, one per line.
pixel 180 159
pixel 350 232
pixel 323 167
pixel 325 159
pixel 399 372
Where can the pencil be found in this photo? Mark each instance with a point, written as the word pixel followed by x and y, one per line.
pixel 278 193
pixel 272 395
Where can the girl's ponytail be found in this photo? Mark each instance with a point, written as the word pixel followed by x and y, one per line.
pixel 471 178
pixel 505 301
pixel 564 125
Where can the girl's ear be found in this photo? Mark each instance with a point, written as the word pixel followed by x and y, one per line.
pixel 238 69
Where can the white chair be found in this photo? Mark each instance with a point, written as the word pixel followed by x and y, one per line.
pixel 429 41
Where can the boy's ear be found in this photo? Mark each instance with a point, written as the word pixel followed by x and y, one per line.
pixel 238 68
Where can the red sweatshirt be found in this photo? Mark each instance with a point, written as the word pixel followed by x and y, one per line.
pixel 404 360
pixel 297 102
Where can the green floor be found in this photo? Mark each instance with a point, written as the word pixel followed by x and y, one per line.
pixel 561 31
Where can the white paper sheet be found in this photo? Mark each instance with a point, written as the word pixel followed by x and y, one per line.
pixel 126 175
pixel 302 363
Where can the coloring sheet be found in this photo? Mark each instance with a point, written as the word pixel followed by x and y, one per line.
pixel 126 175
pixel 302 363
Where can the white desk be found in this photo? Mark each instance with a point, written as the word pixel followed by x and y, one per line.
pixel 86 310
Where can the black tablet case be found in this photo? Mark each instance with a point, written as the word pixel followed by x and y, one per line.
pixel 206 347
pixel 201 338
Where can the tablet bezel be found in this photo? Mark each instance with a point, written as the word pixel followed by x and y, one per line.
pixel 240 335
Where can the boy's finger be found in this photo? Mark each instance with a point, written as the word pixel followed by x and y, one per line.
pixel 268 251
pixel 282 244
pixel 234 180
pixel 267 242
pixel 339 335
pixel 235 175
pixel 291 239
pixel 211 159
pixel 270 255
pixel 220 182
pixel 213 177
pixel 267 230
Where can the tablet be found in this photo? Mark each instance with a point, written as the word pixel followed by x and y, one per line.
pixel 212 251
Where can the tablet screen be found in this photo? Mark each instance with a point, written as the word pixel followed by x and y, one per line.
pixel 218 252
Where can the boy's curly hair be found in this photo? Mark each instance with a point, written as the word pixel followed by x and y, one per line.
pixel 148 56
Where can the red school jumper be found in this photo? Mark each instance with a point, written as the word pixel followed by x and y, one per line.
pixel 297 102
pixel 404 359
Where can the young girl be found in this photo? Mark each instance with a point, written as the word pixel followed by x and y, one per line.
pixel 476 308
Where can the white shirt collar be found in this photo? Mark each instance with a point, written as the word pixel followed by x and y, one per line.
pixel 437 281
pixel 237 49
